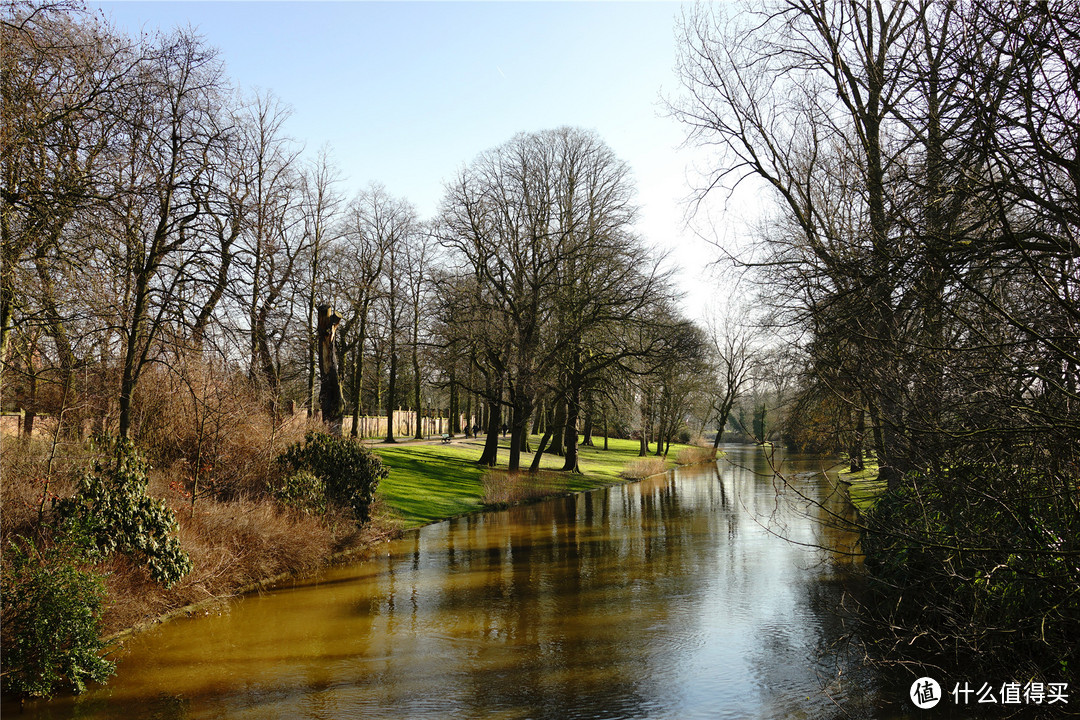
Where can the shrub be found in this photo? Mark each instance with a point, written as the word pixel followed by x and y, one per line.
pixel 694 455
pixel 304 491
pixel 350 473
pixel 52 617
pixel 208 423
pixel 112 504
pixel 985 555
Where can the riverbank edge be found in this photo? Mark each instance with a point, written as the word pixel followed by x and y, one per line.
pixel 355 553
pixel 863 487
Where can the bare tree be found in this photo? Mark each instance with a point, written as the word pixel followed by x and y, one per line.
pixel 731 341
pixel 380 227
pixel 542 224
pixel 418 256
pixel 923 159
pixel 361 256
pixel 161 163
pixel 273 241
pixel 63 77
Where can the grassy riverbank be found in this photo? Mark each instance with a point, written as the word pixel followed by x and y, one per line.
pixel 863 487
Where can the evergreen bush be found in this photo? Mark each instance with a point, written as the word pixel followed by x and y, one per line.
pixel 304 491
pixel 52 616
pixel 112 504
pixel 350 473
pixel 985 555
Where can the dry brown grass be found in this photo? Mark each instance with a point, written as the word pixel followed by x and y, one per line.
pixel 235 534
pixel 504 488
pixel 233 546
pixel 201 420
pixel 24 468
pixel 694 455
pixel 643 468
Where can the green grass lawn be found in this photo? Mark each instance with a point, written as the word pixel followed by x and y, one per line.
pixel 430 482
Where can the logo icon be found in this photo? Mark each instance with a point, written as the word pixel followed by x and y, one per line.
pixel 925 693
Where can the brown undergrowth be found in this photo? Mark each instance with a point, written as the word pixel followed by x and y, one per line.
pixel 236 547
pixel 695 454
pixel 643 468
pixel 213 443
pixel 505 488
pixel 33 472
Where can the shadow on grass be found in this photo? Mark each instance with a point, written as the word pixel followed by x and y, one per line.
pixel 430 482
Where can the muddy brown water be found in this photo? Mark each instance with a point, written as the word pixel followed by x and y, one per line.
pixel 700 593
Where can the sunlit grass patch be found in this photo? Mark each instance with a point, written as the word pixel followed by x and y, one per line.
pixel 863 487
pixel 430 482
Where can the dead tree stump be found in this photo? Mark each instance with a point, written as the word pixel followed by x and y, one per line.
pixel 329 386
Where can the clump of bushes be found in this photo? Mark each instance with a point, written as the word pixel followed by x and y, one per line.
pixel 348 472
pixel 53 598
pixel 303 490
pixel 212 429
pixel 52 609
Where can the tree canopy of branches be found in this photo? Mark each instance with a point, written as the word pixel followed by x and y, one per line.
pixel 922 156
pixel 156 217
pixel 558 286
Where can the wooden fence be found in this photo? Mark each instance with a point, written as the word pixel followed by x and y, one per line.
pixel 432 424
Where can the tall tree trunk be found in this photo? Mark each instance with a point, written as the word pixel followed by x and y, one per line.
pixel 535 466
pixel 856 449
pixel 645 410
pixel 661 430
pixel 391 390
pixel 358 374
pixel 55 328
pixel 132 365
pixel 587 431
pixel 468 415
pixel 606 432
pixel 419 434
pixel 722 418
pixel 558 428
pixel 519 428
pixel 490 456
pixel 573 412
pixel 455 410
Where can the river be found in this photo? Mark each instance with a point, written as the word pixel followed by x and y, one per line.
pixel 700 593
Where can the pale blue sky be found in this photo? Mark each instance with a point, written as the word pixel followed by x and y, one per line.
pixel 405 93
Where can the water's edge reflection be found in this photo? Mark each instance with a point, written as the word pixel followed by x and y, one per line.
pixel 695 594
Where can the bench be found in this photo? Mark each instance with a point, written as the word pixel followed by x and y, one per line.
pixel 445 439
